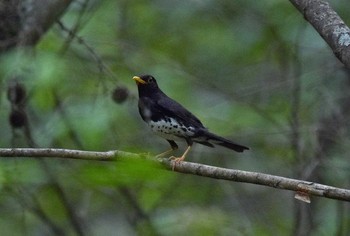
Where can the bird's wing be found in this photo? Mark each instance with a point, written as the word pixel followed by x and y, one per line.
pixel 172 108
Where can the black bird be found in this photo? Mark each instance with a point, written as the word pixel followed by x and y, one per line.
pixel 172 121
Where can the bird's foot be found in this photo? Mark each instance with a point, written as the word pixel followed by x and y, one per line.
pixel 176 160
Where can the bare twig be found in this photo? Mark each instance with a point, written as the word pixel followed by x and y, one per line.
pixel 299 186
pixel 103 68
pixel 65 153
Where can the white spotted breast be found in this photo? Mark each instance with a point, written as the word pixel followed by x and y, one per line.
pixel 169 128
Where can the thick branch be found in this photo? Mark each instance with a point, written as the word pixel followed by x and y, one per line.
pixel 299 186
pixel 23 22
pixel 329 25
pixel 37 18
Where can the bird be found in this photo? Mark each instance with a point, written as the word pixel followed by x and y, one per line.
pixel 173 122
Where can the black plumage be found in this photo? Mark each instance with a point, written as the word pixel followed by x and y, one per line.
pixel 172 121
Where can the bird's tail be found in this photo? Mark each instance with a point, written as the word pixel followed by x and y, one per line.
pixel 215 139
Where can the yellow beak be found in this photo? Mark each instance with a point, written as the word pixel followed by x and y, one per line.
pixel 138 80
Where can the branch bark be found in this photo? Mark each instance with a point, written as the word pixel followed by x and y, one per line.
pixel 298 186
pixel 24 22
pixel 38 16
pixel 329 25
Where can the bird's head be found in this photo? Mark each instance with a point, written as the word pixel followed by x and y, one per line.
pixel 146 84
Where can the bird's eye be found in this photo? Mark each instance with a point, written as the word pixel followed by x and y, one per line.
pixel 151 80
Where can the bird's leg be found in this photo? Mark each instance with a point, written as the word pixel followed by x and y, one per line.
pixel 165 153
pixel 173 148
pixel 179 159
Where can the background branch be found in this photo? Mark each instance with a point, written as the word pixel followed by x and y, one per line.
pixel 299 186
pixel 329 25
pixel 26 21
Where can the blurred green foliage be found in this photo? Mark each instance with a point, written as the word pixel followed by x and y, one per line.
pixel 235 64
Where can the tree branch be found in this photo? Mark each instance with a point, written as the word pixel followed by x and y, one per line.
pixel 37 18
pixel 65 153
pixel 329 25
pixel 25 21
pixel 298 186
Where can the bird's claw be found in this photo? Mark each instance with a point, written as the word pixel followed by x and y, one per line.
pixel 176 160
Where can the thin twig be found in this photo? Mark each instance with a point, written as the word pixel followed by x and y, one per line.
pixel 103 68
